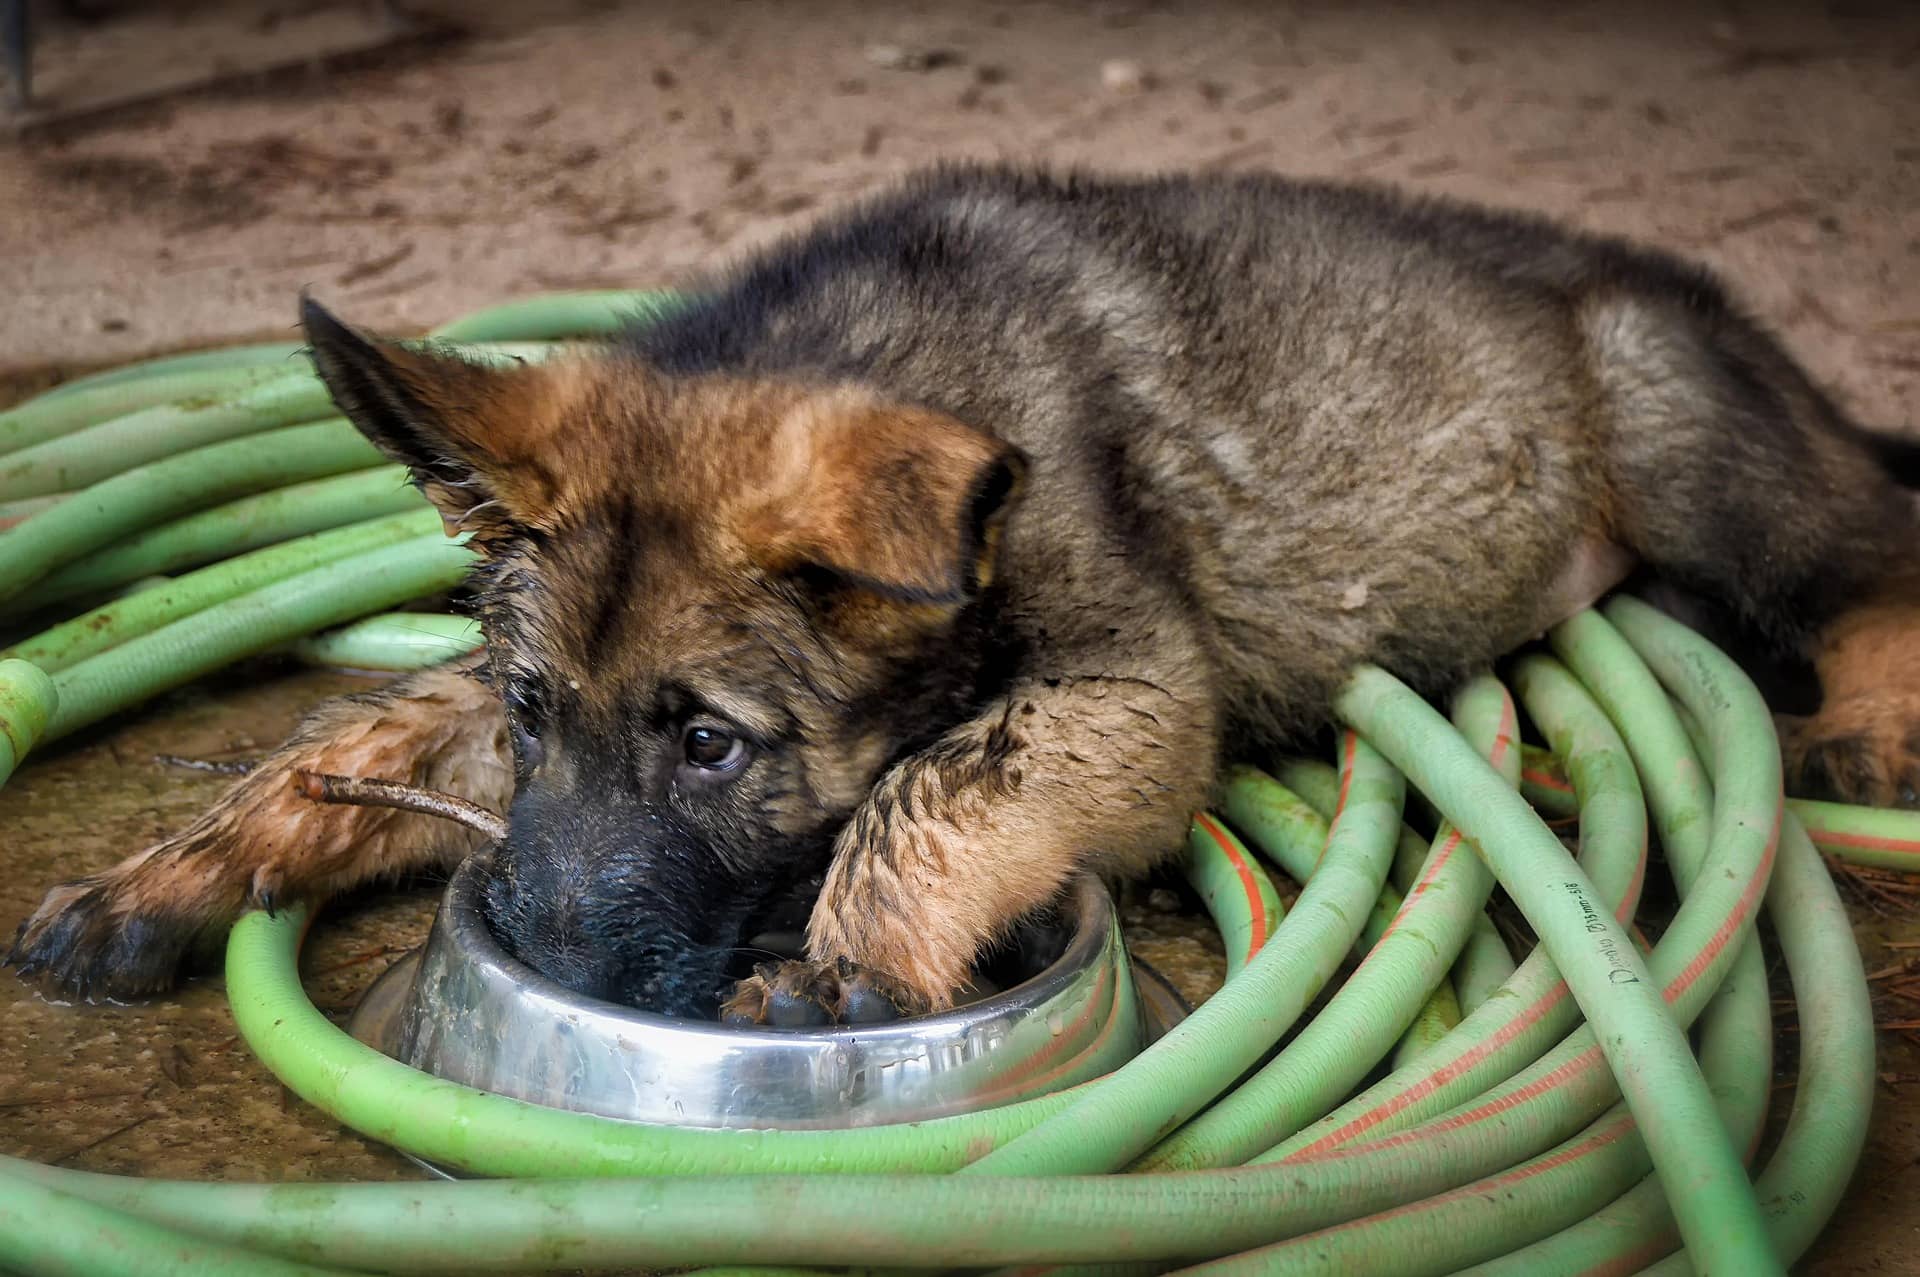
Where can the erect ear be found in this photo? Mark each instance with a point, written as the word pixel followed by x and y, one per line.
pixel 472 434
pixel 900 500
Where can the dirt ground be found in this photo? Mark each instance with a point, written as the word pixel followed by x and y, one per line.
pixel 559 145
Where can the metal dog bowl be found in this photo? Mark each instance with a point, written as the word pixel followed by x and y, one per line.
pixel 463 1009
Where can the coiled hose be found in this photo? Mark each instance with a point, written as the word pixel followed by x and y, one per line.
pixel 1542 1117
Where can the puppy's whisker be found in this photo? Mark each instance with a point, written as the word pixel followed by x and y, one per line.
pixel 460 520
pixel 220 767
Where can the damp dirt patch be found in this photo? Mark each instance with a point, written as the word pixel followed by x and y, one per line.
pixel 183 200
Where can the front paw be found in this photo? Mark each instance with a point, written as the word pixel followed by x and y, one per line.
pixel 804 995
pixel 115 935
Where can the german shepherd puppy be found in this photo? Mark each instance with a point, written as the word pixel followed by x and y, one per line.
pixel 944 550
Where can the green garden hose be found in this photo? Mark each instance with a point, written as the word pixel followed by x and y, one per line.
pixel 1117 1120
pixel 246 523
pixel 86 456
pixel 43 1230
pixel 1534 1010
pixel 81 404
pixel 1485 962
pixel 558 316
pixel 1831 1116
pixel 1223 872
pixel 154 376
pixel 187 481
pixel 1875 837
pixel 27 700
pixel 1373 1008
pixel 291 1000
pixel 1681 812
pixel 192 646
pixel 1497 1139
pixel 1618 995
pixel 12 512
pixel 1286 805
pixel 113 623
pixel 1052 1231
pixel 395 642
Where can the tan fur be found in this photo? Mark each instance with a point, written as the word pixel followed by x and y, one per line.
pixel 955 845
pixel 1864 743
pixel 840 464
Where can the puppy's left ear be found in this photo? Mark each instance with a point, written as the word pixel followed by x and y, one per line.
pixel 906 502
pixel 472 434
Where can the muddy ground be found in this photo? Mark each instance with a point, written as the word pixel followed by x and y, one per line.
pixel 562 145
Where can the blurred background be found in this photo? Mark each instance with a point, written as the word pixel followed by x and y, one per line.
pixel 176 173
pixel 183 169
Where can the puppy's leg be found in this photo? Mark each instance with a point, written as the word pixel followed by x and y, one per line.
pixel 1864 743
pixel 956 844
pixel 124 932
pixel 1733 475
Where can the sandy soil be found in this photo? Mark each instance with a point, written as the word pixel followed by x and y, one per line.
pixel 591 145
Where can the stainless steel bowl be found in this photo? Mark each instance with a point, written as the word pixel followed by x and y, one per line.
pixel 465 1010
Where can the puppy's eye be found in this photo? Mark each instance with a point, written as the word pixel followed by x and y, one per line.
pixel 711 749
pixel 523 718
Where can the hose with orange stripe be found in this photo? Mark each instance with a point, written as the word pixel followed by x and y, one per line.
pixel 1236 891
pixel 1877 837
pixel 1485 962
pixel 1680 1127
pixel 1379 1000
pixel 1836 1037
pixel 1593 1165
pixel 1508 1033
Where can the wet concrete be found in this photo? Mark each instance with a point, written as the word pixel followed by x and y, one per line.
pixel 166 1088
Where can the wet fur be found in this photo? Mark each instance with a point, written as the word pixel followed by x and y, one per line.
pixel 126 930
pixel 994 511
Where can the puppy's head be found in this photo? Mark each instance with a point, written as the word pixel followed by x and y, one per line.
pixel 716 610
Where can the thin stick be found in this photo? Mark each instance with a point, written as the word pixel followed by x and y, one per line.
pixel 361 792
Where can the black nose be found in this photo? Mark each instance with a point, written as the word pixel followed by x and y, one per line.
pixel 633 941
pixel 616 899
pixel 539 918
